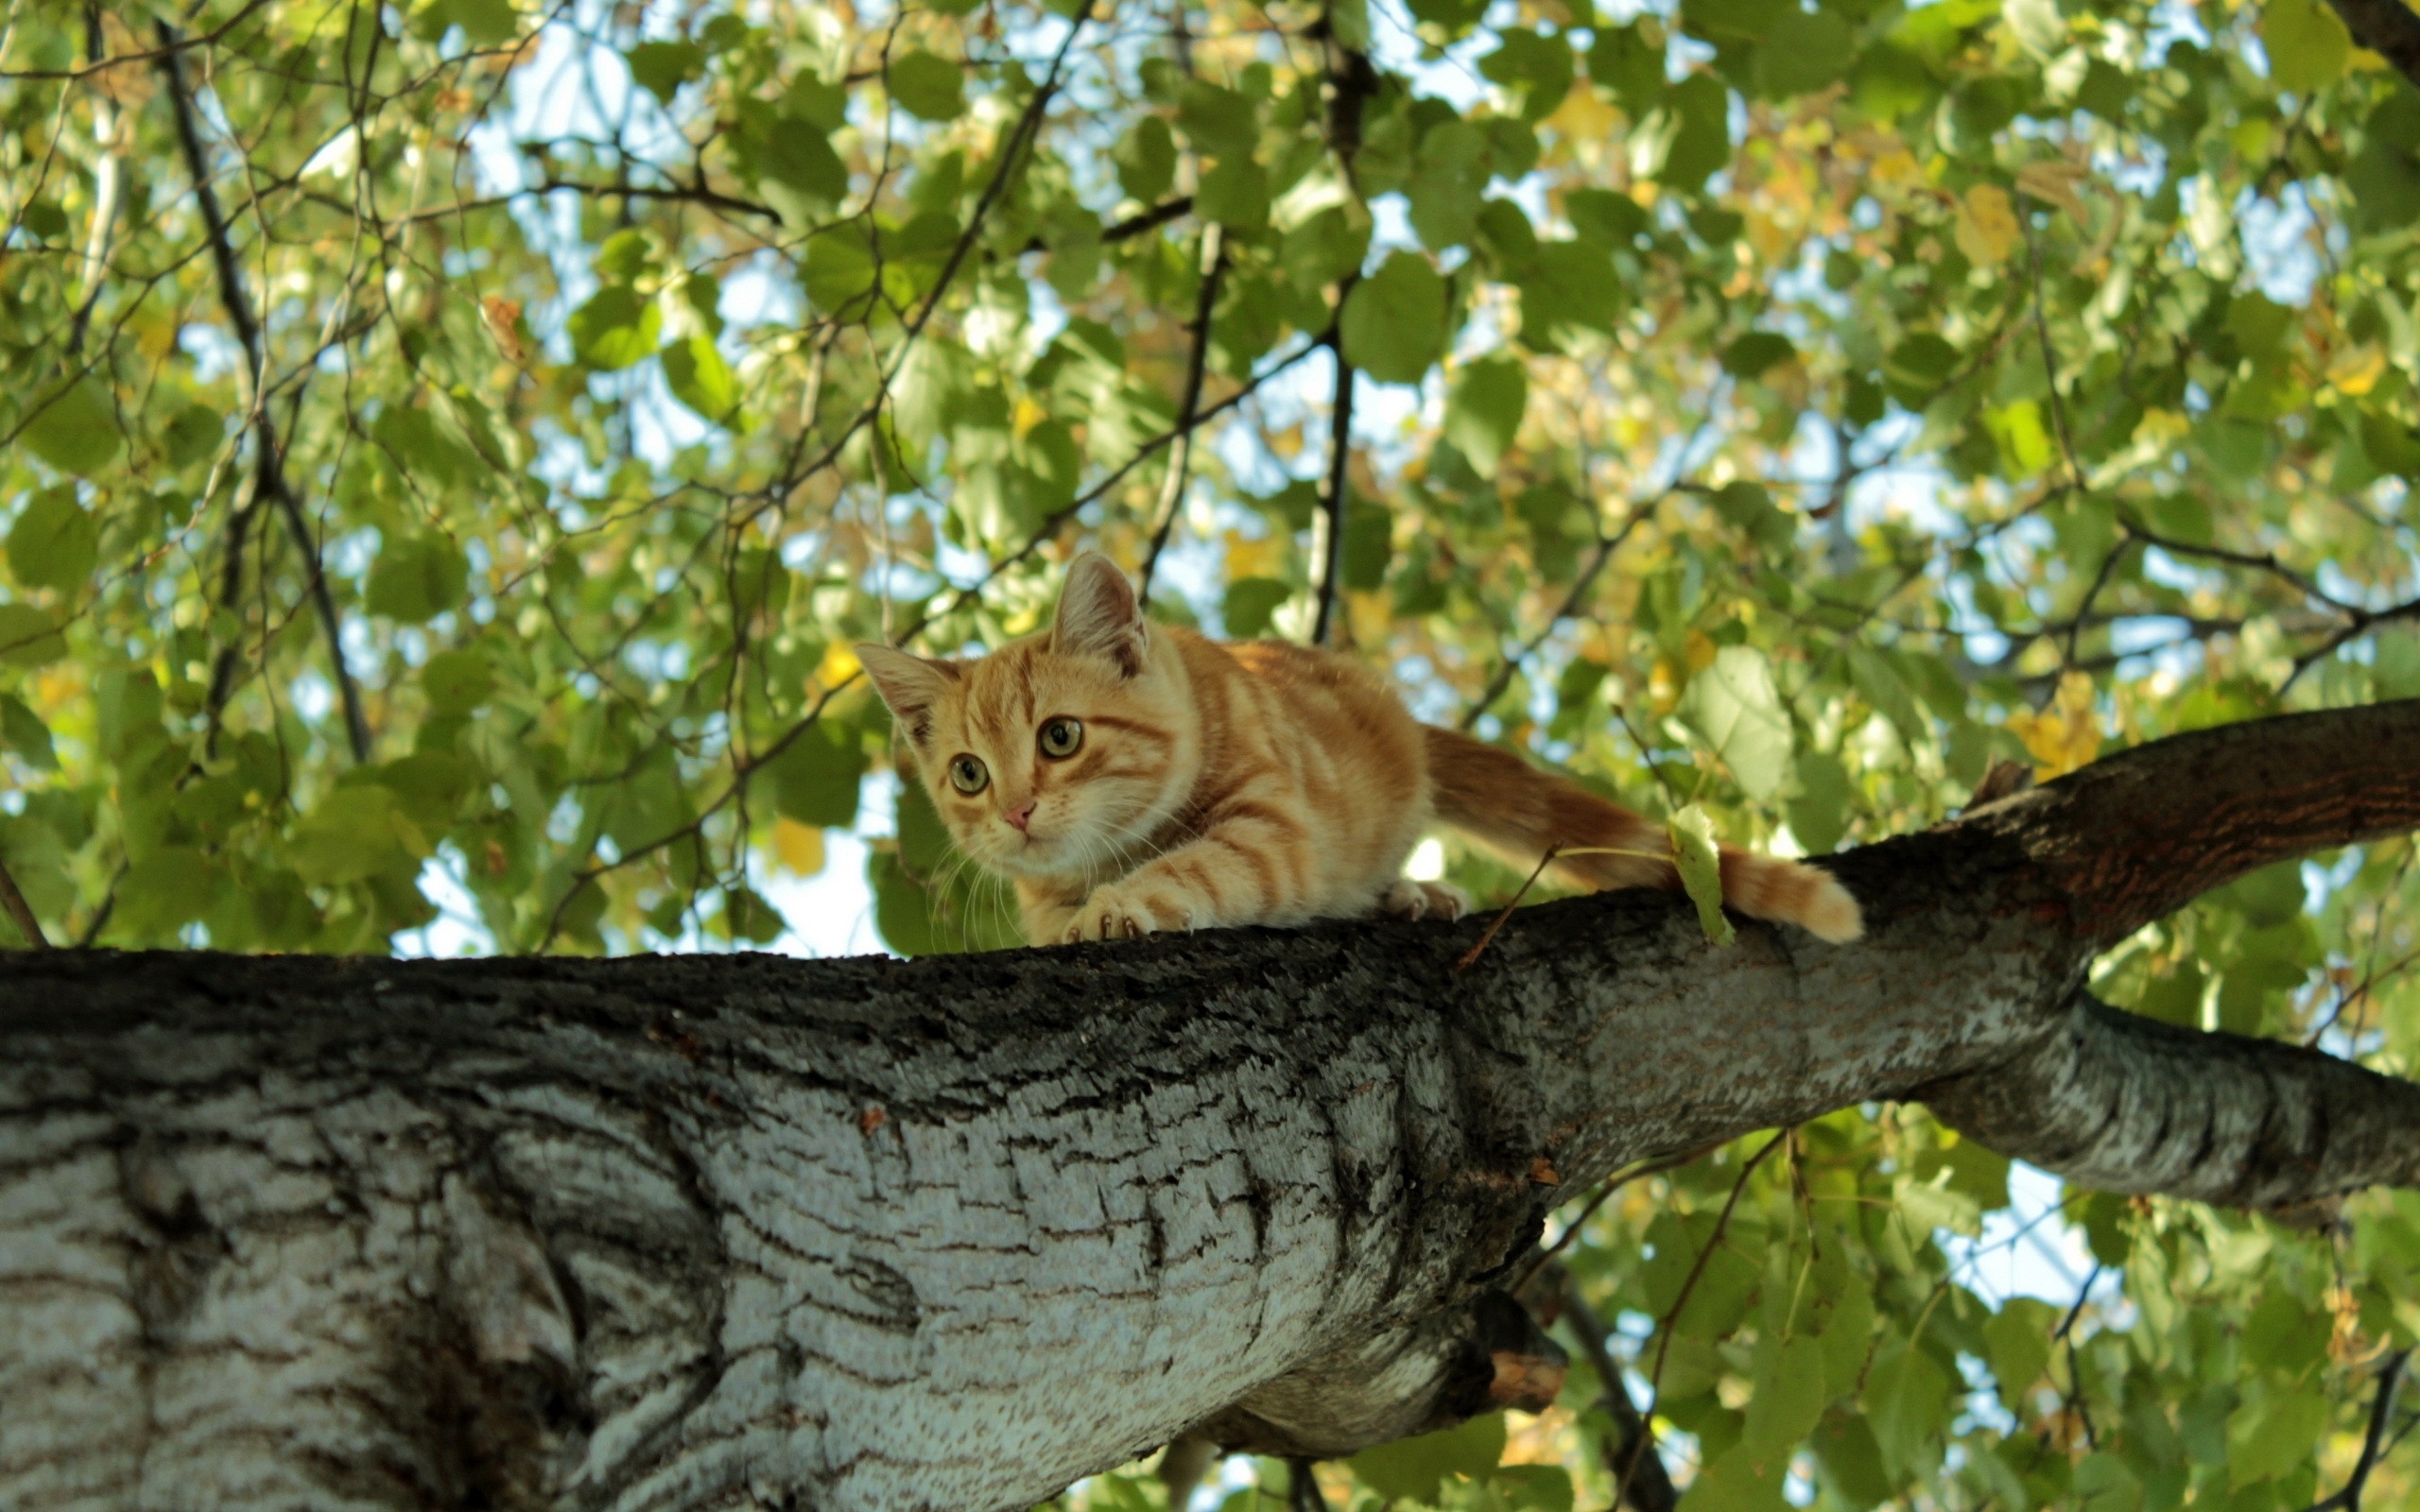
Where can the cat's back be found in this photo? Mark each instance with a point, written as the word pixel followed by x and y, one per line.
pixel 1325 705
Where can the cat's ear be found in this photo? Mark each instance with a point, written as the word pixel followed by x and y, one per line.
pixel 1098 615
pixel 911 685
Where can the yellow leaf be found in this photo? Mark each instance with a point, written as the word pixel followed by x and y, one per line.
pixel 2356 370
pixel 1265 558
pixel 1698 650
pixel 1987 230
pixel 798 847
pixel 2054 182
pixel 838 666
pixel 2066 734
pixel 2163 426
pixel 1374 615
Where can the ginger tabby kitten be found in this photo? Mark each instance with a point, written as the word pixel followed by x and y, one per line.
pixel 1129 778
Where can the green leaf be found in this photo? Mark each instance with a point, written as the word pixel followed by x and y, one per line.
pixel 1249 604
pixel 698 377
pixel 1327 247
pixel 2018 1340
pixel 197 431
pixel 617 328
pixel 1533 68
pixel 798 172
pixel 354 833
pixel 415 578
pixel 1880 685
pixel 1606 217
pixel 164 892
pixel 1908 1402
pixel 1697 137
pixel 902 912
pixel 747 916
pixel 2308 45
pixel 1569 289
pixel 1414 1469
pixel 1695 853
pixel 816 776
pixel 1145 159
pixel 1234 193
pixel 28 637
pixel 1394 321
pixel 456 682
pixel 2268 1437
pixel 929 87
pixel 1218 122
pixel 1733 703
pixel 1804 51
pixel 1483 412
pixel 1448 177
pixel 23 731
pixel 54 542
pixel 662 67
pixel 1788 1398
pixel 484 22
pixel 76 428
pixel 1819 815
pixel 1738 1481
pixel 1753 354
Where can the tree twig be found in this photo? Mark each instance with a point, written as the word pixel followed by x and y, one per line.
pixel 1671 1315
pixel 1214 267
pixel 1329 540
pixel 1632 1460
pixel 2375 1444
pixel 268 464
pixel 20 912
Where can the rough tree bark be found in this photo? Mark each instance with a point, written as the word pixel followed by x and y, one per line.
pixel 713 1231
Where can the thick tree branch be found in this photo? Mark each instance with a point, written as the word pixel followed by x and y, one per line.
pixel 681 1231
pixel 2136 837
pixel 2122 1103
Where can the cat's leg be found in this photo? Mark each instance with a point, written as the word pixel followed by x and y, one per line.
pixel 1250 867
pixel 1047 908
pixel 1407 899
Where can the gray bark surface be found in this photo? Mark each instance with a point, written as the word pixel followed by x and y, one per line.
pixel 737 1230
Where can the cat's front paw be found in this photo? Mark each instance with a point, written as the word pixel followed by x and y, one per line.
pixel 1115 912
pixel 1408 899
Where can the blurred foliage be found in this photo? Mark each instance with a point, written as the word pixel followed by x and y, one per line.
pixel 1785 410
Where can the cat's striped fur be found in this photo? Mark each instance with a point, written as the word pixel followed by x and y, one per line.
pixel 1254 782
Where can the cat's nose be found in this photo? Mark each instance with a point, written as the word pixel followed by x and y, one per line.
pixel 1019 813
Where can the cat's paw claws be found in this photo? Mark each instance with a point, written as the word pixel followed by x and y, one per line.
pixel 1408 899
pixel 1110 915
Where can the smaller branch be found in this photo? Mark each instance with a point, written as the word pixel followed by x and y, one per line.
pixel 1330 540
pixel 1606 547
pixel 20 912
pixel 1133 226
pixel 270 464
pixel 1303 1487
pixel 1663 1325
pixel 2050 357
pixel 2374 1445
pixel 1630 1459
pixel 1214 259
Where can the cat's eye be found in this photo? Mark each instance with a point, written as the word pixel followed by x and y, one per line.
pixel 1062 738
pixel 968 775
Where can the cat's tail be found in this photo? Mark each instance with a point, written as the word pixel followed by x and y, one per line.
pixel 1512 807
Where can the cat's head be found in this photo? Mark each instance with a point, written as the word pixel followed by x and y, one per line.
pixel 1056 753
